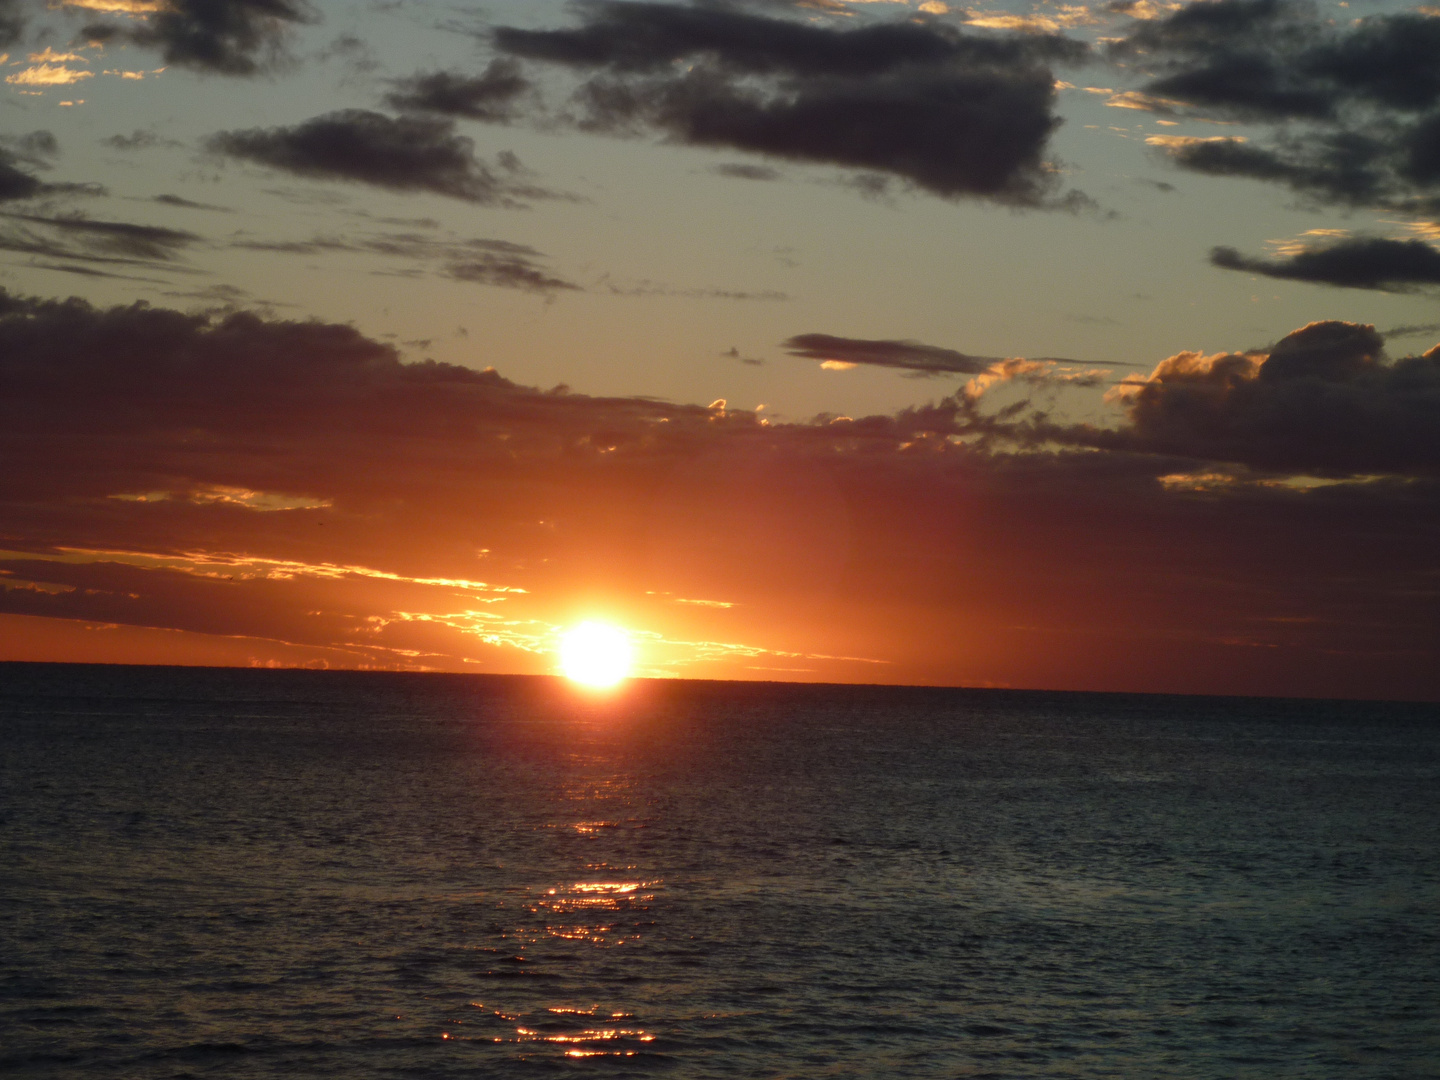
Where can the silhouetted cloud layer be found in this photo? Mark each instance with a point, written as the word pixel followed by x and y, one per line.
pixel 1355 263
pixel 954 114
pixel 297 484
pixel 406 153
pixel 226 37
pixel 1367 95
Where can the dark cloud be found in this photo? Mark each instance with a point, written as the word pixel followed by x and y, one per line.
pixel 314 246
pixel 406 153
pixel 36 147
pixel 84 239
pixel 35 150
pixel 1232 55
pixel 479 260
pixel 507 272
pixel 1354 263
pixel 1413 330
pixel 1355 106
pixel 650 37
pixel 225 37
pixel 655 288
pixel 189 204
pixel 354 53
pixel 921 359
pixel 491 97
pixel 952 113
pixel 1281 59
pixel 145 375
pixel 1344 167
pixel 829 7
pixel 907 355
pixel 1324 400
pixel 12 22
pixel 16 183
pixel 88 190
pixel 733 353
pixel 90 272
pixel 228 297
pixel 184 463
pixel 139 139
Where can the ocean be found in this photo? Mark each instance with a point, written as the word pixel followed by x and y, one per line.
pixel 241 873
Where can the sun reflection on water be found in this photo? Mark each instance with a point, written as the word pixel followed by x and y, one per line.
pixel 590 828
pixel 607 910
pixel 551 926
pixel 587 910
pixel 575 1031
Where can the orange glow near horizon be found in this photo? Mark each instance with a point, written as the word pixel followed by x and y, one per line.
pixel 596 655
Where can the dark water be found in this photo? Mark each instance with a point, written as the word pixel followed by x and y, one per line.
pixel 294 874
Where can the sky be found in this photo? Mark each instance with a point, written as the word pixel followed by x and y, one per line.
pixel 1066 346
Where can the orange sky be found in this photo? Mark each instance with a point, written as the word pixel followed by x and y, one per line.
pixel 250 491
pixel 1086 347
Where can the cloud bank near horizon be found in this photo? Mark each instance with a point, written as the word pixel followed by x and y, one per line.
pixel 216 474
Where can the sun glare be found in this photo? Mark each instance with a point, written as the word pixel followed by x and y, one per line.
pixel 595 654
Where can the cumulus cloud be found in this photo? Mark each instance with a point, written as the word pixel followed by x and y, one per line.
pixel 1324 400
pixel 953 113
pixel 491 97
pixel 225 37
pixel 175 470
pixel 1353 262
pixel 406 153
pixel 1355 106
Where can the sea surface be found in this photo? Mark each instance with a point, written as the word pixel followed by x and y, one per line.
pixel 225 873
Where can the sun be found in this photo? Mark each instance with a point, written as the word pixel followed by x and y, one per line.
pixel 595 654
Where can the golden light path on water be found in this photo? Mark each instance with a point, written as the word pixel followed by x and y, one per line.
pixel 605 912
pixel 588 911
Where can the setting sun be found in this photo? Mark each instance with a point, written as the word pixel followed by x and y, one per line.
pixel 595 654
